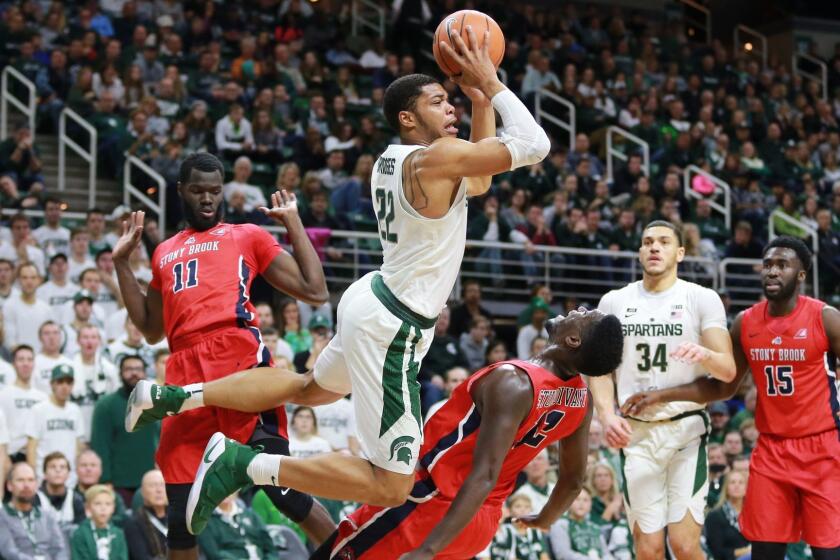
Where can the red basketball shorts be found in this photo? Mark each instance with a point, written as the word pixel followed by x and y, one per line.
pixel 794 491
pixel 375 533
pixel 205 358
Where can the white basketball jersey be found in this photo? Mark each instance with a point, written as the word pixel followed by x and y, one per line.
pixel 654 325
pixel 421 257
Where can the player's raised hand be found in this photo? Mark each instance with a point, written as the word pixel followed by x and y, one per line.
pixel 131 235
pixel 532 521
pixel 283 206
pixel 638 402
pixel 476 67
pixel 690 353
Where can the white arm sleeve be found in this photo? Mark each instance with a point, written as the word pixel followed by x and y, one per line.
pixel 524 138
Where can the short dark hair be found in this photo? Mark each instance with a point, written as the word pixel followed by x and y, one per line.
pixel 21 347
pixel 52 200
pixel 601 347
pixel 105 251
pixel 201 161
pixel 127 357
pixel 18 218
pixel 803 253
pixel 94 210
pixel 666 224
pixel 402 95
pixel 56 456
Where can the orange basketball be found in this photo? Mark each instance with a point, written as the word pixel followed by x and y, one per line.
pixel 457 23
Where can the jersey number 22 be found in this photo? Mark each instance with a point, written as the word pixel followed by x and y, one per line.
pixel 385 214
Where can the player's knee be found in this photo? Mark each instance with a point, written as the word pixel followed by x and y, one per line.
pixel 650 549
pixel 683 546
pixel 393 491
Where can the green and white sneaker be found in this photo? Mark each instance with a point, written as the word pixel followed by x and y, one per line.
pixel 150 402
pixel 223 471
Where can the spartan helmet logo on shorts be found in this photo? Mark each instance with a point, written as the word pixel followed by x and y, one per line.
pixel 400 448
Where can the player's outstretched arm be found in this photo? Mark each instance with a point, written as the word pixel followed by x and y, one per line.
pixel 574 451
pixel 616 429
pixel 145 310
pixel 300 275
pixel 503 398
pixel 702 390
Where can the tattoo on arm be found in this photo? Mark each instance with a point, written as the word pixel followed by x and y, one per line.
pixel 415 192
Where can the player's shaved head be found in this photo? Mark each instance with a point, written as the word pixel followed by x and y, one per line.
pixel 587 342
pixel 200 186
pixel 785 264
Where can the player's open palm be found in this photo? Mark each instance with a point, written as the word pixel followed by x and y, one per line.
pixel 132 232
pixel 283 206
pixel 475 63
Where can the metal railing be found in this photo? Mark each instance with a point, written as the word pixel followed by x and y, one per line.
pixel 89 155
pixel 142 194
pixel 8 97
pixel 542 114
pixel 508 271
pixel 749 46
pixel 722 188
pixel 368 14
pixel 812 234
pixel 821 78
pixel 701 18
pixel 613 152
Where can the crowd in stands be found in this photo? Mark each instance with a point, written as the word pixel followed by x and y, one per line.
pixel 283 92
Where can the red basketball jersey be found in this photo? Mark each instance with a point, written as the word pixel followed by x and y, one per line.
pixel 451 433
pixel 793 368
pixel 205 278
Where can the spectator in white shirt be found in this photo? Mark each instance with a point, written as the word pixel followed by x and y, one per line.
pixel 23 248
pixel 50 355
pixel 132 344
pixel 52 236
pixel 303 436
pixel 108 293
pixel 79 259
pixel 17 399
pixel 95 375
pixel 535 328
pixel 254 196
pixel 95 226
pixel 337 425
pixel 7 279
pixel 23 314
pixel 233 133
pixel 83 307
pixel 56 424
pixel 58 290
pixel 90 281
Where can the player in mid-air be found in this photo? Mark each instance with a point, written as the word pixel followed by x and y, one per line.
pixel 790 343
pixel 199 298
pixel 386 319
pixel 674 332
pixel 473 449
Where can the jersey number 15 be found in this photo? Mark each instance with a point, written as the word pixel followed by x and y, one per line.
pixel 779 380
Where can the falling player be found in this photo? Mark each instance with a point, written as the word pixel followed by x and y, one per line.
pixel 674 332
pixel 198 298
pixel 790 343
pixel 473 449
pixel 386 319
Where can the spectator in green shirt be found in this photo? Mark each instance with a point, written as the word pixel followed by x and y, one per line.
pixel 236 531
pixel 126 457
pixel 98 538
pixel 606 499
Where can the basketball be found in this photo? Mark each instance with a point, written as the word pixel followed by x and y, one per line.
pixel 457 23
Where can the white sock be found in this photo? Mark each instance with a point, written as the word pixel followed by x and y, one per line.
pixel 195 398
pixel 264 469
